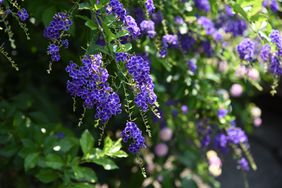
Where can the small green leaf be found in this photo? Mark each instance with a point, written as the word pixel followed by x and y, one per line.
pixel 84 174
pixel 107 163
pixel 30 161
pixel 54 161
pixel 89 23
pixel 84 6
pixel 86 142
pixel 47 175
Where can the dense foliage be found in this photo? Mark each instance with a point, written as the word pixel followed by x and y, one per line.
pixel 136 93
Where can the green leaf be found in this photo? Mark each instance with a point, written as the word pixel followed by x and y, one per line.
pixel 47 175
pixel 107 163
pixel 90 24
pixel 84 6
pixel 84 174
pixel 82 185
pixel 86 142
pixel 54 161
pixel 30 161
pixel 112 149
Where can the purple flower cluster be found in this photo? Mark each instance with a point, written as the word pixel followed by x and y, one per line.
pixel 272 4
pixel 157 17
pixel 236 135
pixel 132 27
pixel 277 40
pixel 207 48
pixel 179 20
pixel 149 4
pixel 23 15
pixel 221 141
pixel 89 82
pixel 148 27
pixel 265 53
pixel 273 59
pixel 192 65
pixel 54 32
pixel 209 27
pixel 167 41
pixel 235 25
pixel 131 131
pixel 116 7
pixel 139 69
pixel 243 164
pixel 121 56
pixel 202 5
pixel 221 113
pixel 246 49
pixel 187 42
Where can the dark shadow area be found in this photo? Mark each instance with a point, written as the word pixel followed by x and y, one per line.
pixel 266 148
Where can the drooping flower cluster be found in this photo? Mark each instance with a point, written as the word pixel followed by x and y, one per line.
pixel 246 49
pixel 273 4
pixel 243 164
pixel 131 131
pixel 277 40
pixel 149 4
pixel 22 14
pixel 236 135
pixel 187 42
pixel 265 53
pixel 231 23
pixel 202 5
pixel 148 27
pixel 121 56
pixel 209 28
pixel 116 7
pixel 55 33
pixel 192 65
pixel 132 27
pixel 89 82
pixel 167 41
pixel 139 69
pixel 273 58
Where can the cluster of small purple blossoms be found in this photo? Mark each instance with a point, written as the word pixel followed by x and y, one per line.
pixel 236 135
pixel 149 4
pixel 204 131
pixel 207 48
pixel 246 49
pixel 121 56
pixel 202 5
pixel 243 164
pixel 139 69
pixel 116 7
pixel 273 58
pixel 265 53
pixel 131 131
pixel 231 23
pixel 277 40
pixel 148 27
pixel 54 32
pixel 272 4
pixel 167 41
pixel 209 28
pixel 178 20
pixel 23 15
pixel 221 141
pixel 221 113
pixel 132 26
pixel 192 65
pixel 187 42
pixel 89 82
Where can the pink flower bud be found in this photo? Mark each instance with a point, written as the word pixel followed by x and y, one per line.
pixel 257 121
pixel 236 90
pixel 161 149
pixel 166 134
